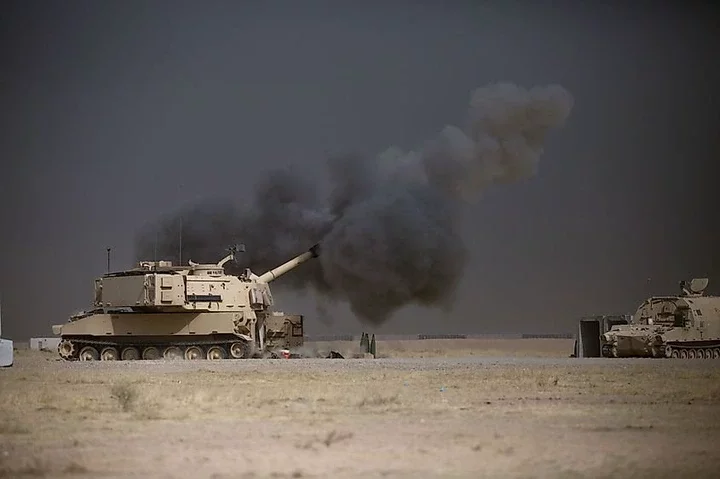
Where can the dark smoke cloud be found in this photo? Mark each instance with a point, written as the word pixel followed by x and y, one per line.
pixel 389 228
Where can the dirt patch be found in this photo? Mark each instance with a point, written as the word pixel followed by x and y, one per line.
pixel 402 417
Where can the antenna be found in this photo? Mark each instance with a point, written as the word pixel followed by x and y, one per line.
pixel 180 238
pixel 108 260
pixel 0 316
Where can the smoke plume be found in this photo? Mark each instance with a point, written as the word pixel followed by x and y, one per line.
pixel 389 229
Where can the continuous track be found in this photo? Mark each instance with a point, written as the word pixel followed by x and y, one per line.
pixel 86 349
pixel 690 350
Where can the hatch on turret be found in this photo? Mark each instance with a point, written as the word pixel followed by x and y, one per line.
pixel 154 265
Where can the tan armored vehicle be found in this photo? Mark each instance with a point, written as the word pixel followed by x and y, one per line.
pixel 683 326
pixel 158 310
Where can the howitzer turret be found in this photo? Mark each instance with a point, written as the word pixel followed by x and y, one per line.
pixel 158 310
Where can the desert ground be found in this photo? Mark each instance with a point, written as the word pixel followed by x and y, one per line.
pixel 463 408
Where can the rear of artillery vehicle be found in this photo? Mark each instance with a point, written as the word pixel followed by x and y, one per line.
pixel 284 331
pixel 686 325
pixel 158 310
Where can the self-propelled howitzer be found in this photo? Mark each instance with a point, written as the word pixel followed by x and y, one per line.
pixel 686 325
pixel 158 310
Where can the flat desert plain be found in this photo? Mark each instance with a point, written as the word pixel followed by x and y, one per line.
pixel 466 408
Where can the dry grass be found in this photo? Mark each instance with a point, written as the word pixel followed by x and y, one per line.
pixel 126 395
pixel 395 418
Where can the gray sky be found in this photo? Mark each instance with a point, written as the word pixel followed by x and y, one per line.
pixel 113 113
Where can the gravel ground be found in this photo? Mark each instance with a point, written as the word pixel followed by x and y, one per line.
pixel 504 417
pixel 400 364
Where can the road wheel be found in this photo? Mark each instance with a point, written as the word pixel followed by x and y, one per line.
pixel 216 352
pixel 172 352
pixel 193 352
pixel 109 354
pixel 683 354
pixel 88 353
pixel 151 353
pixel 130 354
pixel 239 350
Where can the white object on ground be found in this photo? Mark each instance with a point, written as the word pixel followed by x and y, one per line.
pixel 6 353
pixel 6 348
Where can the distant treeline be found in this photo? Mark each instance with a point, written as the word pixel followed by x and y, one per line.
pixel 410 337
pixel 548 336
pixel 340 337
pixel 442 336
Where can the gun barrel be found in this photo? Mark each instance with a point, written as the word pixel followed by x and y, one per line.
pixel 275 273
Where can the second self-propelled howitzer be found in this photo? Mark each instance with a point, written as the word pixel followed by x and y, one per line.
pixel 158 310
pixel 684 325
